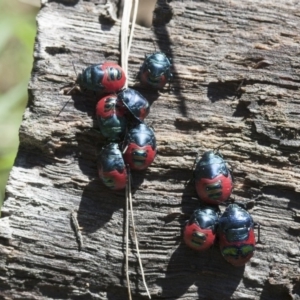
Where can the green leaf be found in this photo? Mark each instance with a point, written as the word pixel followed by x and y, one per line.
pixel 6 33
pixel 11 100
pixel 6 161
pixel 25 32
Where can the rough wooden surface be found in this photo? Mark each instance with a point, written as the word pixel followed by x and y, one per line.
pixel 215 46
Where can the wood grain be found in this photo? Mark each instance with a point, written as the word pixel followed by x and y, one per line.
pixel 236 82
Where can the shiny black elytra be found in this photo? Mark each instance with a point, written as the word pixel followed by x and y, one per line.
pixel 236 235
pixel 213 180
pixel 156 70
pixel 111 167
pixel 200 231
pixel 106 77
pixel 140 147
pixel 136 103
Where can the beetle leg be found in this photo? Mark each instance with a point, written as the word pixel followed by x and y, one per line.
pixel 193 168
pixel 216 150
pixel 73 64
pixel 238 91
pixel 241 84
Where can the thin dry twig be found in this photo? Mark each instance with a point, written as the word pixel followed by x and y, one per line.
pixel 126 242
pixel 135 235
pixel 77 229
pixel 124 36
pixel 133 21
pixel 125 50
pixel 125 41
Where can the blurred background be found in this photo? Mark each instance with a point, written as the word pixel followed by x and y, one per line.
pixel 17 34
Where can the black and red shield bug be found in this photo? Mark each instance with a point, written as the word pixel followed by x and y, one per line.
pixel 236 235
pixel 213 179
pixel 107 77
pixel 156 70
pixel 111 167
pixel 110 113
pixel 137 105
pixel 139 147
pixel 200 231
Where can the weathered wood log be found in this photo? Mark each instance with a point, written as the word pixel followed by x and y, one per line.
pixel 236 82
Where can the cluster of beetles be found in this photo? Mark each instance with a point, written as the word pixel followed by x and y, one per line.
pixel 131 145
pixel 234 229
